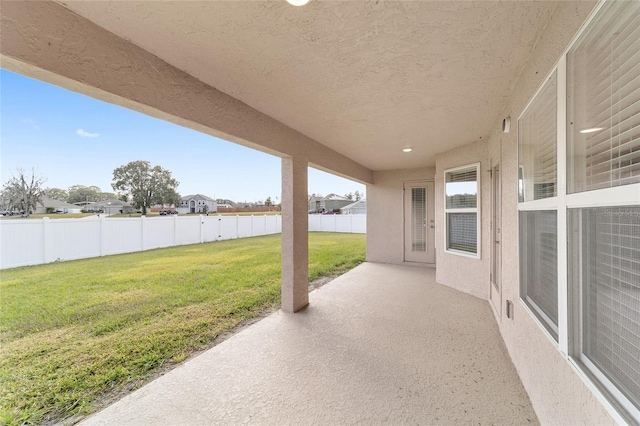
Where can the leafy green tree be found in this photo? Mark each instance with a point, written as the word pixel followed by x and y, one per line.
pixel 56 194
pixel 357 196
pixel 145 185
pixel 108 196
pixel 23 193
pixel 78 193
pixel 268 202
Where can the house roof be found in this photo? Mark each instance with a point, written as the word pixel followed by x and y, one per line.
pixel 113 202
pixel 357 205
pixel 197 197
pixel 362 78
pixel 335 197
pixel 50 202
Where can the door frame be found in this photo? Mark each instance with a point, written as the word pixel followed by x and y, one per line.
pixel 430 255
pixel 495 277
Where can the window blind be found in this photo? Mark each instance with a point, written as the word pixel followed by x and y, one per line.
pixel 462 189
pixel 603 83
pixel 463 232
pixel 610 257
pixel 537 142
pixel 419 219
pixel 539 265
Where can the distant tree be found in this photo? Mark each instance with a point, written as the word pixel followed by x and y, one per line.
pixel 23 193
pixel 357 196
pixel 205 209
pixel 124 197
pixel 108 196
pixel 56 194
pixel 78 193
pixel 349 196
pixel 145 185
pixel 268 202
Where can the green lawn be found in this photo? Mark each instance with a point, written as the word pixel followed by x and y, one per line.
pixel 74 332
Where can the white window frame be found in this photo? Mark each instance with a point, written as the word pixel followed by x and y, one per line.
pixel 476 210
pixel 618 196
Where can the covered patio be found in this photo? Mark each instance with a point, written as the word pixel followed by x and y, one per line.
pixel 380 344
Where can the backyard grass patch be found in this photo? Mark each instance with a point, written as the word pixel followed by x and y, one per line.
pixel 73 332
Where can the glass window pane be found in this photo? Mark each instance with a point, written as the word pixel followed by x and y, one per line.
pixel 537 144
pixel 539 265
pixel 461 188
pixel 419 219
pixel 606 248
pixel 463 232
pixel 603 109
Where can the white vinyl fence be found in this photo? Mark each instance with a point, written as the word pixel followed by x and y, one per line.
pixel 33 242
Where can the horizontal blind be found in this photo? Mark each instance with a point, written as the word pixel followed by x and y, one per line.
pixel 419 219
pixel 539 265
pixel 611 293
pixel 463 232
pixel 538 143
pixel 603 83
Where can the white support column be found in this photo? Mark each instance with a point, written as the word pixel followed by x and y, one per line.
pixel 295 235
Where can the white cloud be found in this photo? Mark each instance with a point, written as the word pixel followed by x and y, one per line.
pixel 29 122
pixel 86 134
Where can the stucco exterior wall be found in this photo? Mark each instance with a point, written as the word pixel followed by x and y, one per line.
pixel 558 394
pixel 385 217
pixel 464 273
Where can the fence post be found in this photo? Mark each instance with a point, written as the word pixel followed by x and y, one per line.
pixel 175 230
pixel 237 226
pixel 252 232
pixel 46 240
pixel 351 223
pixel 102 236
pixel 143 232
pixel 335 223
pixel 219 227
pixel 201 229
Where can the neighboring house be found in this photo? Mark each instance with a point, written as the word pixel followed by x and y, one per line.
pixel 498 142
pixel 112 206
pixel 359 207
pixel 314 204
pixel 197 203
pixel 59 206
pixel 331 202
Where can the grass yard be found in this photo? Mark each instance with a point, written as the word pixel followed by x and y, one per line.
pixel 74 333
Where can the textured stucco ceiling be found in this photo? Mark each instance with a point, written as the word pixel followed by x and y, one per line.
pixel 363 78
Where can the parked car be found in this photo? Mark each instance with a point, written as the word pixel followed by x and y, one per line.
pixel 164 212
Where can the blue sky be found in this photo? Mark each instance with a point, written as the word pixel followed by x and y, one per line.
pixel 71 139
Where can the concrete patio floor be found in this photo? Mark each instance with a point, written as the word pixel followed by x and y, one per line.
pixel 380 344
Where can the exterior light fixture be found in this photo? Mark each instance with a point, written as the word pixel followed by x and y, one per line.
pixel 407 149
pixel 591 130
pixel 297 2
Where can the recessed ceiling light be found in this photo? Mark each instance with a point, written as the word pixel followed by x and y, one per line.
pixel 407 149
pixel 592 130
pixel 297 2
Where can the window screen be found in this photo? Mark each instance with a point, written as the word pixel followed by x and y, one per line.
pixel 461 209
pixel 606 249
pixel 537 144
pixel 603 114
pixel 539 265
